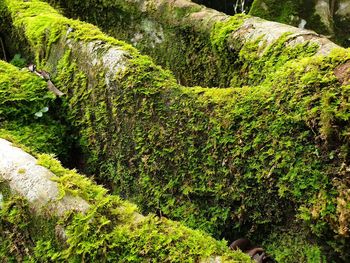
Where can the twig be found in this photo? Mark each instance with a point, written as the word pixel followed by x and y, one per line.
pixel 3 48
pixel 332 7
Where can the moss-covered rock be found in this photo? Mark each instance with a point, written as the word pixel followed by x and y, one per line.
pixel 328 17
pixel 236 160
pixel 315 15
pixel 75 220
pixel 22 96
pixel 39 209
pixel 200 45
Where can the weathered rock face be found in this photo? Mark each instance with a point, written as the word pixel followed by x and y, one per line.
pixel 255 157
pixel 34 182
pixel 328 17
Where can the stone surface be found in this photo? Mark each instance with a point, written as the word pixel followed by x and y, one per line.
pixel 343 8
pixel 20 171
pixel 322 8
pixel 269 32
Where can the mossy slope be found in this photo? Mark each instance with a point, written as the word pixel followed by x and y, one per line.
pixel 111 229
pixel 22 95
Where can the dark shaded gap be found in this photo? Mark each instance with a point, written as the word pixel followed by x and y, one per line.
pixel 229 7
pixel 3 52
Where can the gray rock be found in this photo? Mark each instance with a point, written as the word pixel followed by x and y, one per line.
pixel 24 176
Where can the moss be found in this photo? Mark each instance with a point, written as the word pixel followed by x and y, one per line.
pixel 276 11
pixel 18 61
pixel 21 230
pixel 13 220
pixel 259 61
pixel 39 137
pixel 111 223
pixel 293 246
pixel 222 30
pixel 23 89
pixel 235 161
pixel 22 95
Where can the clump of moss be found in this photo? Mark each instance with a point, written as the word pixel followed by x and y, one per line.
pixel 18 61
pixel 20 228
pixel 293 246
pixel 221 31
pixel 23 95
pixel 45 136
pixel 13 220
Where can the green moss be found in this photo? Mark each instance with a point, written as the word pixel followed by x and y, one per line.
pixel 259 61
pixel 12 221
pixel 18 61
pixel 21 230
pixel 22 95
pixel 293 246
pixel 110 230
pixel 235 161
pixel 46 136
pixel 283 12
pixel 222 30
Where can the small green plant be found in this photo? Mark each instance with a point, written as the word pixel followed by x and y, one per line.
pixel 18 61
pixel 39 114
